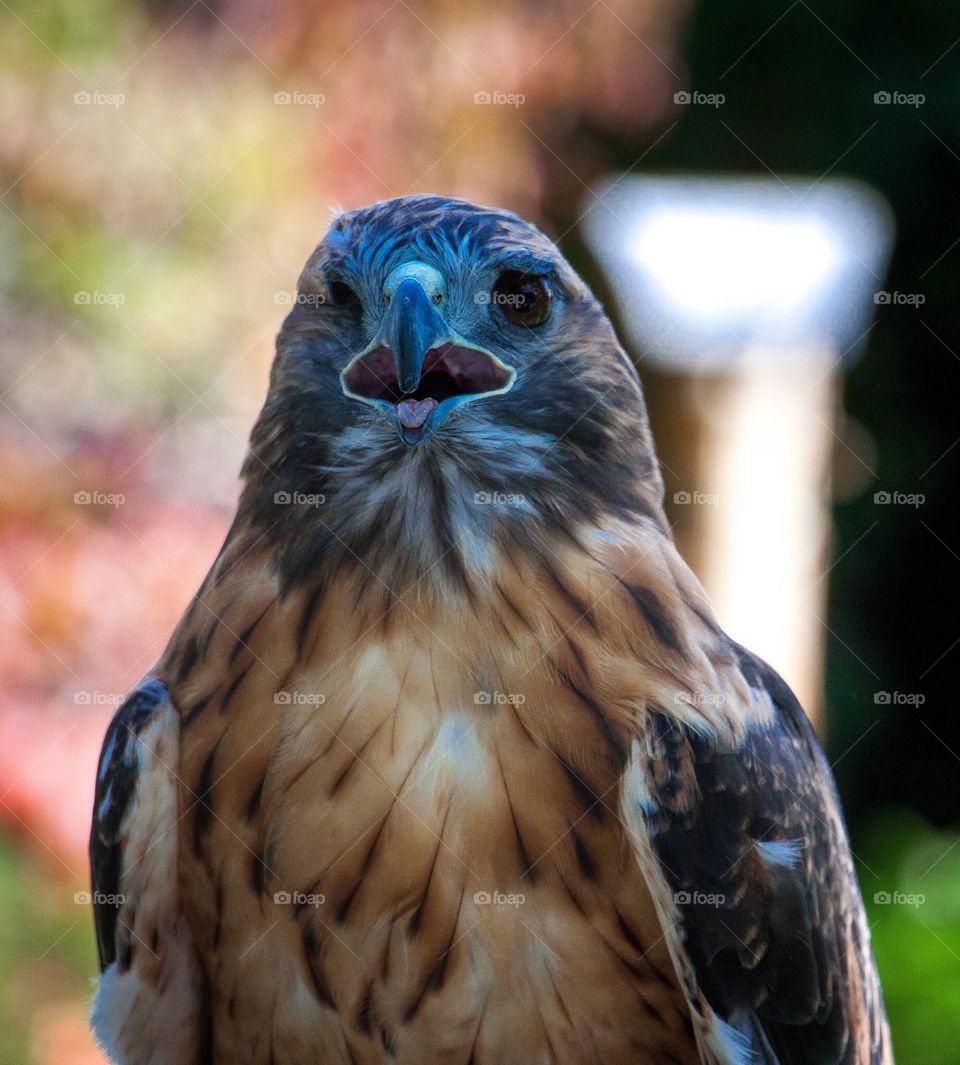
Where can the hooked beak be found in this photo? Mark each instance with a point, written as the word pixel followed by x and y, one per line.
pixel 418 370
pixel 411 328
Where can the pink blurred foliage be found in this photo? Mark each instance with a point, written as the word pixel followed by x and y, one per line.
pixel 90 592
pixel 60 1035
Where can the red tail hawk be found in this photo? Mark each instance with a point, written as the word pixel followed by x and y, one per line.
pixel 449 761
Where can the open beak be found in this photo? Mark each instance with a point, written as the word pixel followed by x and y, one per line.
pixel 418 370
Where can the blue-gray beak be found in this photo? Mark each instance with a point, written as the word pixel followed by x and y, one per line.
pixel 411 327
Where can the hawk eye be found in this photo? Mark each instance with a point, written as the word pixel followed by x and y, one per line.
pixel 523 298
pixel 342 295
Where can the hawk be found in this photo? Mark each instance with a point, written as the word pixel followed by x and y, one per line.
pixel 449 761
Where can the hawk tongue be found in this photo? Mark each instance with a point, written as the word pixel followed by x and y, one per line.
pixel 412 413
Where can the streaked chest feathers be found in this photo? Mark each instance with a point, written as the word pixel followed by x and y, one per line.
pixel 430 816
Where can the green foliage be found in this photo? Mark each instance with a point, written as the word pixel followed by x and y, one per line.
pixel 47 947
pixel 910 873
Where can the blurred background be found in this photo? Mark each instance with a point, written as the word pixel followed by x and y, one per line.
pixel 166 169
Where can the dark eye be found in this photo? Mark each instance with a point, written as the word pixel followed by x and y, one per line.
pixel 342 295
pixel 523 298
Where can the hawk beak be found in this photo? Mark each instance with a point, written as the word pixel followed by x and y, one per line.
pixel 411 327
pixel 418 369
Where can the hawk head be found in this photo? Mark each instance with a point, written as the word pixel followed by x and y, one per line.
pixel 445 377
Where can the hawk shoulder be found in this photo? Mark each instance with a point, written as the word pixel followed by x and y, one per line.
pixel 149 998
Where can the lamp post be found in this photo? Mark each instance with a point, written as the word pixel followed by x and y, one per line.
pixel 757 293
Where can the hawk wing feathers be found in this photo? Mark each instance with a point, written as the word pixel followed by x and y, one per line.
pixel 750 840
pixel 118 775
pixel 150 991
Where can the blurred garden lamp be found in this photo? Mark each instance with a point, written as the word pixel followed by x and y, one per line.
pixel 759 292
